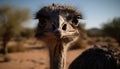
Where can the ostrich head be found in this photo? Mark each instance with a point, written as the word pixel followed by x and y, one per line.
pixel 57 23
pixel 58 28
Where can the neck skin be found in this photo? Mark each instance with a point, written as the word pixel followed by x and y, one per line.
pixel 58 56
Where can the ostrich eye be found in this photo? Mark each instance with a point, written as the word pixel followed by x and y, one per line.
pixel 78 17
pixel 75 21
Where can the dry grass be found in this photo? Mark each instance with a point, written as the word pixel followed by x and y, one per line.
pixel 35 55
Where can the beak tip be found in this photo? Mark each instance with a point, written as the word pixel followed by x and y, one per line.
pixel 57 33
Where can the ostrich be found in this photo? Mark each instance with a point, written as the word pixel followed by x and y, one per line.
pixel 97 57
pixel 58 28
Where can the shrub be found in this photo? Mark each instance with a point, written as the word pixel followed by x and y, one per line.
pixel 7 58
pixel 16 49
pixel 112 28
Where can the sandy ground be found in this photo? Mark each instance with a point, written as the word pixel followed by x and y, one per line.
pixel 34 58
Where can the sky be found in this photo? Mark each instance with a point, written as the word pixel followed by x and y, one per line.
pixel 95 12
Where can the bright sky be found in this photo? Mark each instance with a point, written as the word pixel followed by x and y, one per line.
pixel 95 12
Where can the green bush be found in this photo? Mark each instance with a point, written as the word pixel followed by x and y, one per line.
pixel 112 29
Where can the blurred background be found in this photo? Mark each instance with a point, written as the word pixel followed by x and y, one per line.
pixel 19 49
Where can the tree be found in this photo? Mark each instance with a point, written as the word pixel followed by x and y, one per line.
pixel 11 18
pixel 112 28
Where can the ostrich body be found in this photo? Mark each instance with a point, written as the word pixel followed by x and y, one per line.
pixel 58 28
pixel 97 57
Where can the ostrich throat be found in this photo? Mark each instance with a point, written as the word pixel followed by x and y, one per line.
pixel 58 53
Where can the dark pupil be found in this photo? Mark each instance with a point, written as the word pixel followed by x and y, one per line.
pixel 75 21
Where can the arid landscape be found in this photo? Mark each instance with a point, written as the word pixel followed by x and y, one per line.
pixel 35 56
pixel 37 34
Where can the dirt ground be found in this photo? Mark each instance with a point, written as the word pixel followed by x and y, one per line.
pixel 34 58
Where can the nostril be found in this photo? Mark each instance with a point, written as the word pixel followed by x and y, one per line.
pixel 64 27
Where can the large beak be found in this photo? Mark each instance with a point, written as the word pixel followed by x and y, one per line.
pixel 63 28
pixel 59 22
